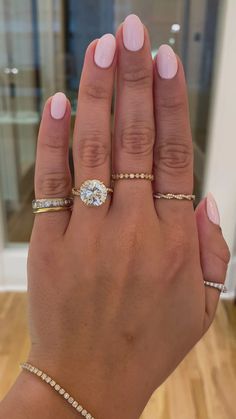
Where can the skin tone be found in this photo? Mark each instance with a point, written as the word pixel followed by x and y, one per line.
pixel 116 293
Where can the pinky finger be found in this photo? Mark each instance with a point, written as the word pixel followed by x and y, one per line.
pixel 52 172
pixel 214 253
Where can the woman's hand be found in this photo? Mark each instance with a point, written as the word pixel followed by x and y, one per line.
pixel 116 292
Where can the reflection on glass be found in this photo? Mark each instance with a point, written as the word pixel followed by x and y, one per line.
pixel 42 49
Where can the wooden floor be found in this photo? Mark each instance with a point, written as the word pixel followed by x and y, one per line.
pixel 202 387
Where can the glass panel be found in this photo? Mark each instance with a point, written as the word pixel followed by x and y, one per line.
pixel 42 44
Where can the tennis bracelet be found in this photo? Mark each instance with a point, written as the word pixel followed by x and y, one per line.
pixel 60 390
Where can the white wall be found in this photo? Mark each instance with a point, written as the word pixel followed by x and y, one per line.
pixel 220 176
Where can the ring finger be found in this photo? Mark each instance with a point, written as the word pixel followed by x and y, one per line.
pixel 92 133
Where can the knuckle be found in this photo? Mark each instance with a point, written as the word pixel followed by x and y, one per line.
pixel 53 184
pixel 137 140
pixel 173 104
pixel 93 150
pixel 96 92
pixel 174 154
pixel 55 141
pixel 138 76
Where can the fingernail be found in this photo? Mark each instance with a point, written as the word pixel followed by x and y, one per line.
pixel 105 51
pixel 212 209
pixel 58 105
pixel 167 64
pixel 133 33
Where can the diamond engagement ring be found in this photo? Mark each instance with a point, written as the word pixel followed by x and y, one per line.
pixel 92 192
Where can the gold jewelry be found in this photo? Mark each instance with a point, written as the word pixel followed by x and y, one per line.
pixel 52 204
pixel 92 192
pixel 179 196
pixel 144 176
pixel 60 390
pixel 220 287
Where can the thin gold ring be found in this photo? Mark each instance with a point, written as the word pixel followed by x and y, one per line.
pixel 216 285
pixel 179 197
pixel 125 176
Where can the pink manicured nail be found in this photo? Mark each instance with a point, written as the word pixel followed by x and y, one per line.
pixel 212 209
pixel 167 64
pixel 105 51
pixel 133 33
pixel 58 105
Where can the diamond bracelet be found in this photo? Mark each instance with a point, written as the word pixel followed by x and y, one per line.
pixel 60 390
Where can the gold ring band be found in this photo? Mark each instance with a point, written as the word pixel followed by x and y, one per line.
pixel 52 204
pixel 216 285
pixel 179 197
pixel 124 176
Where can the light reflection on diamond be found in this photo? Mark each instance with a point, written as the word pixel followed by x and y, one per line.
pixel 93 192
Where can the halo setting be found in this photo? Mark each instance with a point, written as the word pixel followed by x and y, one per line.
pixel 93 192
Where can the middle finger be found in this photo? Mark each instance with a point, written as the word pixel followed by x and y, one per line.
pixel 134 116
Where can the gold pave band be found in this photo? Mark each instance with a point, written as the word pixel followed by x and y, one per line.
pixel 123 176
pixel 180 196
pixel 216 285
pixel 52 204
pixel 60 390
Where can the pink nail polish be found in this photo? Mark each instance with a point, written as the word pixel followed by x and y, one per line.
pixel 58 105
pixel 105 51
pixel 212 209
pixel 133 33
pixel 167 64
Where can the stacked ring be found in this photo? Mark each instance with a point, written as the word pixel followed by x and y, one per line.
pixel 216 285
pixel 144 176
pixel 52 204
pixel 180 196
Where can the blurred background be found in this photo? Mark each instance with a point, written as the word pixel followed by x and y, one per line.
pixel 42 45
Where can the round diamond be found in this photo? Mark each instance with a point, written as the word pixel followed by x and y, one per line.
pixel 79 408
pixel 62 391
pixel 93 192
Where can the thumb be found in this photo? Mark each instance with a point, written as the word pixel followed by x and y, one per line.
pixel 214 252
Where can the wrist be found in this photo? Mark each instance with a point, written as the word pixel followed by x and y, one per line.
pixel 30 397
pixel 89 383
